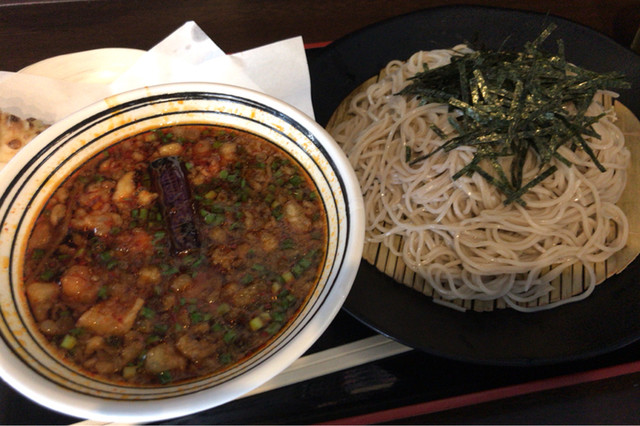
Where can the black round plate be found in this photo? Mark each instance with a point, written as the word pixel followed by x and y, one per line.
pixel 609 319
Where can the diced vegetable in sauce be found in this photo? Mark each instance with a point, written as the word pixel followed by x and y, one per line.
pixel 174 254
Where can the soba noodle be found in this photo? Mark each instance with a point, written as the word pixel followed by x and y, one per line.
pixel 458 234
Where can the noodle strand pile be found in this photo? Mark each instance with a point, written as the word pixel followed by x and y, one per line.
pixel 458 234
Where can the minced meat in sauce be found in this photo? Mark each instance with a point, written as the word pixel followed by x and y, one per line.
pixel 174 254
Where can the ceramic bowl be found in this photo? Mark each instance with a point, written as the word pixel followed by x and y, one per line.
pixel 26 360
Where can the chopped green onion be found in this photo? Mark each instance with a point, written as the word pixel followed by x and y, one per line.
pixel 288 277
pixel 223 308
pixel 147 312
pixel 273 327
pixel 77 331
pixel 165 377
pixel 37 254
pixel 277 316
pixel 277 212
pixel 258 267
pixel 160 328
pixel 169 269
pixel 129 371
pixel 256 323
pixel 229 336
pixel 47 275
pixel 68 342
pixel 212 218
pixel 103 293
pixel 196 317
pixel 287 244
pixel 152 339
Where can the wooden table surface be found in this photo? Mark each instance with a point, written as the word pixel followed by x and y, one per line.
pixel 32 30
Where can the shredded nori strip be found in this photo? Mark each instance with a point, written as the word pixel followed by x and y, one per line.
pixel 514 104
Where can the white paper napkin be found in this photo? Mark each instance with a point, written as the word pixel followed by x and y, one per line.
pixel 187 55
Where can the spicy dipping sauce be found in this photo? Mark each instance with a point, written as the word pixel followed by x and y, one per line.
pixel 174 254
